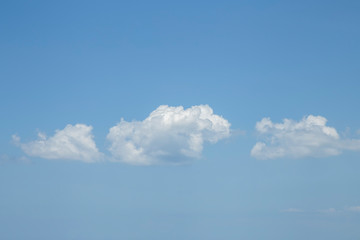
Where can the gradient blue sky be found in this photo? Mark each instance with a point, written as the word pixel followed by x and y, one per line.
pixel 89 62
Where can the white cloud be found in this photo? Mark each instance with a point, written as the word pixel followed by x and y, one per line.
pixel 354 209
pixel 168 134
pixel 310 137
pixel 72 143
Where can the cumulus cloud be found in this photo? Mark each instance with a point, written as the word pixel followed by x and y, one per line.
pixel 168 134
pixel 309 137
pixel 74 142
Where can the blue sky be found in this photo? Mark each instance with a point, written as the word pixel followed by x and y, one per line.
pixel 198 84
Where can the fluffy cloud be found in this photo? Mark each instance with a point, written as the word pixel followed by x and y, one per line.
pixel 168 134
pixel 72 143
pixel 309 137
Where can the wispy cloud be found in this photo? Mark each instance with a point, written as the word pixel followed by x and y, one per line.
pixel 309 137
pixel 292 210
pixel 167 135
pixel 4 158
pixel 74 142
pixel 329 210
pixel 353 209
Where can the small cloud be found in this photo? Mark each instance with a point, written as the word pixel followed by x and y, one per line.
pixel 72 143
pixel 15 139
pixel 309 137
pixel 293 210
pixel 353 209
pixel 167 135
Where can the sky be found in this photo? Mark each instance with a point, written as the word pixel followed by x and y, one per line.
pixel 179 120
